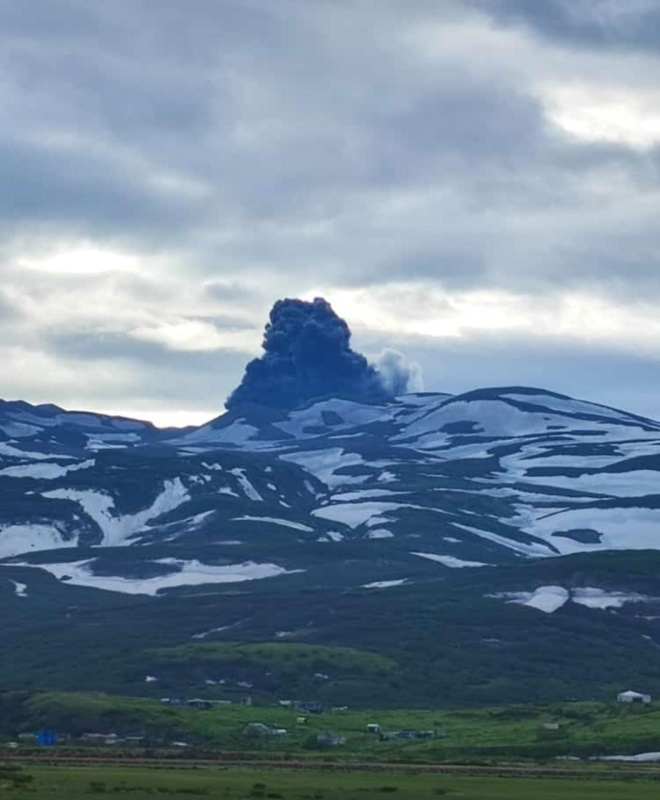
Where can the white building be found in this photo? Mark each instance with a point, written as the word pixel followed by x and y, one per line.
pixel 633 697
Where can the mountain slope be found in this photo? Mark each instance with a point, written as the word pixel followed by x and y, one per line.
pixel 493 510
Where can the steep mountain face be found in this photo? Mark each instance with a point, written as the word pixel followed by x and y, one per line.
pixel 337 497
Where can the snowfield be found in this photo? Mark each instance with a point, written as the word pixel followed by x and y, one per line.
pixel 187 573
pixel 117 529
pixel 16 540
pixel 489 476
pixel 450 561
pixel 44 470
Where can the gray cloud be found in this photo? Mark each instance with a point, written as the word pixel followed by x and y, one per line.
pixel 248 150
pixel 633 24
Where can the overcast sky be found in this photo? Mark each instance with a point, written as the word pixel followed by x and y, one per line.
pixel 475 183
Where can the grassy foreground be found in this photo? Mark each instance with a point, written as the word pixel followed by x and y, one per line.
pixel 141 783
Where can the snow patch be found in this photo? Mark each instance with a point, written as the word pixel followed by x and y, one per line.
pixel 384 584
pixel 331 536
pixel 324 464
pixel 298 526
pixel 546 598
pixel 599 598
pixel 248 489
pixel 14 452
pixel 450 561
pixel 20 589
pixel 350 414
pixel 117 530
pixel 239 432
pixel 189 573
pixel 356 514
pixel 380 533
pixel 44 470
pixel 18 539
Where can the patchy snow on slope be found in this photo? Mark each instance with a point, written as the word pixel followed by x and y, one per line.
pixel 384 584
pixel 349 414
pixel 18 539
pixel 620 528
pixel 331 536
pixel 489 417
pixel 246 485
pixel 14 452
pixel 533 549
pixel 599 598
pixel 298 526
pixel 20 589
pixel 210 632
pixel 324 464
pixel 364 494
pixel 20 430
pixel 450 561
pixel 189 573
pixel 238 433
pixel 380 533
pixel 356 514
pixel 386 477
pixel 578 409
pixel 636 483
pixel 124 438
pixel 117 530
pixel 549 598
pixel 546 598
pixel 44 470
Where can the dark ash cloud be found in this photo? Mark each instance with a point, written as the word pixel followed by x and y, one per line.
pixel 308 356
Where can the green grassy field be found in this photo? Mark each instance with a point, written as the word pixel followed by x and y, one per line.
pixel 141 783
pixel 526 731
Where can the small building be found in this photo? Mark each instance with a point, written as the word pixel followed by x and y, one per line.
pixel 373 727
pixel 633 697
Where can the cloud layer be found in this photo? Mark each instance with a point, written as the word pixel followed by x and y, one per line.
pixel 465 179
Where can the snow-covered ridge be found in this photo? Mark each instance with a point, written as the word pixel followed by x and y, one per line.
pixel 485 477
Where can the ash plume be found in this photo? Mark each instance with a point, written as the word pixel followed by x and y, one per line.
pixel 307 355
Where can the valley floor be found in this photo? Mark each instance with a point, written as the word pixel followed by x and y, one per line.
pixel 248 782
